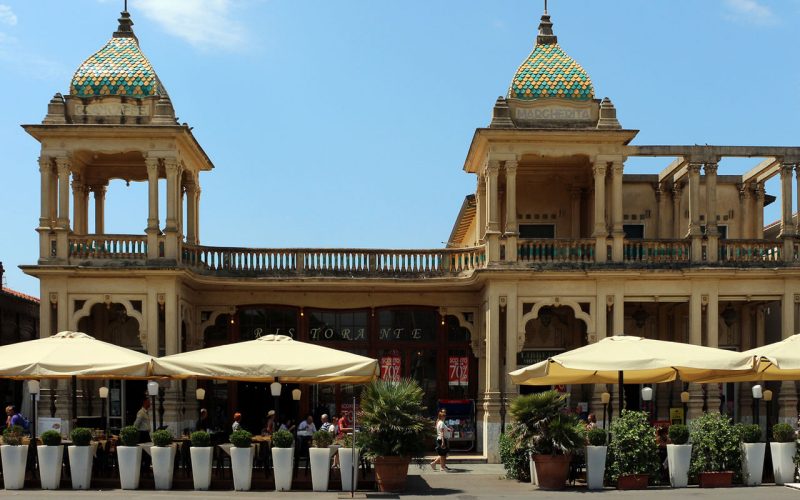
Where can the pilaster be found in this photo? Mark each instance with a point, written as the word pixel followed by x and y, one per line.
pixel 617 232
pixel 694 212
pixel 712 233
pixel 600 227
pixel 45 219
pixel 493 215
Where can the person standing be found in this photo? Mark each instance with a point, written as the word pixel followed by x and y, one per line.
pixel 142 422
pixel 237 422
pixel 269 425
pixel 442 445
pixel 203 423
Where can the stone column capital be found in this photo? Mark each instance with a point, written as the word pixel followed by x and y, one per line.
pixel 151 162
pixel 98 189
pixel 694 167
pixel 511 166
pixel 599 169
pixel 45 164
pixel 63 164
pixel 710 168
pixel 492 168
pixel 787 167
pixel 758 189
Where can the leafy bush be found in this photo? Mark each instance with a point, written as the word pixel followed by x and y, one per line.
pixel 783 433
pixel 544 427
pixel 515 460
pixel 243 439
pixel 346 441
pixel 393 418
pixel 715 445
pixel 633 448
pixel 12 436
pixel 51 438
pixel 321 439
pixel 200 439
pixel 678 434
pixel 81 436
pixel 282 439
pixel 129 436
pixel 597 437
pixel 162 438
pixel 749 433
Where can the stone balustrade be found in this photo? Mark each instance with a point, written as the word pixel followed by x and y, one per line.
pixel 556 250
pixel 751 251
pixel 657 251
pixel 108 246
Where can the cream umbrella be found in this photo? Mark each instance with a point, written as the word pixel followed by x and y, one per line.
pixel 636 360
pixel 269 358
pixel 777 361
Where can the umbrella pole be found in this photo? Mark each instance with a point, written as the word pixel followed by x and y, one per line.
pixel 74 402
pixel 621 387
pixel 353 451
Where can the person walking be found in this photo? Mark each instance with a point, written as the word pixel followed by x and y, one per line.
pixel 442 445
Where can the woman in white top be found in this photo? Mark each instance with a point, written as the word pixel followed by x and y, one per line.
pixel 442 435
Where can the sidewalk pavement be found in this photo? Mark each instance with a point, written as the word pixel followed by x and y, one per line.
pixel 465 482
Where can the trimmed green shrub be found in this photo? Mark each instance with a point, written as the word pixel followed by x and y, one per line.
pixel 282 439
pixel 81 436
pixel 161 438
pixel 51 438
pixel 514 459
pixel 243 439
pixel 749 433
pixel 633 448
pixel 129 436
pixel 783 433
pixel 346 441
pixel 715 445
pixel 321 439
pixel 200 439
pixel 12 436
pixel 597 437
pixel 678 434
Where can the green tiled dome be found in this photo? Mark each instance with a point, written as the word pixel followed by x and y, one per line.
pixel 550 72
pixel 119 68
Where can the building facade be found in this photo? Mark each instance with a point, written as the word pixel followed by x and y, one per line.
pixel 558 247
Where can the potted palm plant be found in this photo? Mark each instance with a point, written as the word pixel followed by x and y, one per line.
pixel 394 428
pixel 320 458
pixel 596 458
pixel 752 453
pixel 633 451
pixel 282 459
pixel 129 458
pixel 201 453
pixel 163 454
pixel 51 455
pixel 81 458
pixel 783 448
pixel 679 455
pixel 716 452
pixel 13 455
pixel 542 425
pixel 242 459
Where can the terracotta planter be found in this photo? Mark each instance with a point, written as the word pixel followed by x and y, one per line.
pixel 391 473
pixel 552 471
pixel 633 482
pixel 715 479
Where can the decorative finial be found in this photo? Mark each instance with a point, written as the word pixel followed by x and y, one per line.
pixel 125 29
pixel 545 6
pixel 125 6
pixel 546 36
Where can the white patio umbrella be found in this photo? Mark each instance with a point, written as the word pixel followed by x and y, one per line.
pixel 636 360
pixel 267 359
pixel 776 361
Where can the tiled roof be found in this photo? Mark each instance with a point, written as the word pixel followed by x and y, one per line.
pixel 19 295
pixel 119 68
pixel 550 72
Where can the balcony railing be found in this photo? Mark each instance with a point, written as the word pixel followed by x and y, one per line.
pixel 555 250
pixel 750 251
pixel 108 246
pixel 657 251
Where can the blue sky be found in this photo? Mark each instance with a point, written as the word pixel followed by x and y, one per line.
pixel 346 124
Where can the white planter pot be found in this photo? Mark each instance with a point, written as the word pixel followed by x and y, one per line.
pixel 753 463
pixel 595 466
pixel 14 459
pixel 129 461
pixel 282 465
pixel 679 456
pixel 50 459
pixel 783 461
pixel 532 466
pixel 201 466
pixel 163 466
pixel 80 466
pixel 242 467
pixel 320 459
pixel 346 466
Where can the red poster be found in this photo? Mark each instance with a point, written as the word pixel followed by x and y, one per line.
pixel 390 368
pixel 458 370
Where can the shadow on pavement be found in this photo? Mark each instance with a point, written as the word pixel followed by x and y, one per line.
pixel 417 485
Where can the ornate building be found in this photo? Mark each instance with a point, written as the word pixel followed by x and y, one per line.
pixel 558 247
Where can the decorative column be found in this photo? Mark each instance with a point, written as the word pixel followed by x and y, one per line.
pixel 45 220
pixel 196 204
pixel 677 189
pixel 712 233
pixel 600 228
pixel 575 212
pixel 745 201
pixel 616 213
pixel 694 212
pixel 787 219
pixel 153 231
pixel 511 210
pixel 787 399
pixel 491 397
pixel 695 338
pixel 513 340
pixel 493 215
pixel 758 219
pixel 99 191
pixel 63 164
pixel 78 203
pixel 191 213
pixel 481 208
pixel 661 211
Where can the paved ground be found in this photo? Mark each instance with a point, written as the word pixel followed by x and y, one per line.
pixel 466 482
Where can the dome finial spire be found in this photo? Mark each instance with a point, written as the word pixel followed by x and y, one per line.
pixel 125 29
pixel 546 36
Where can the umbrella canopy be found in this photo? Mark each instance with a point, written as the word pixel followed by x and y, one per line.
pixel 638 360
pixel 269 358
pixel 71 354
pixel 778 361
